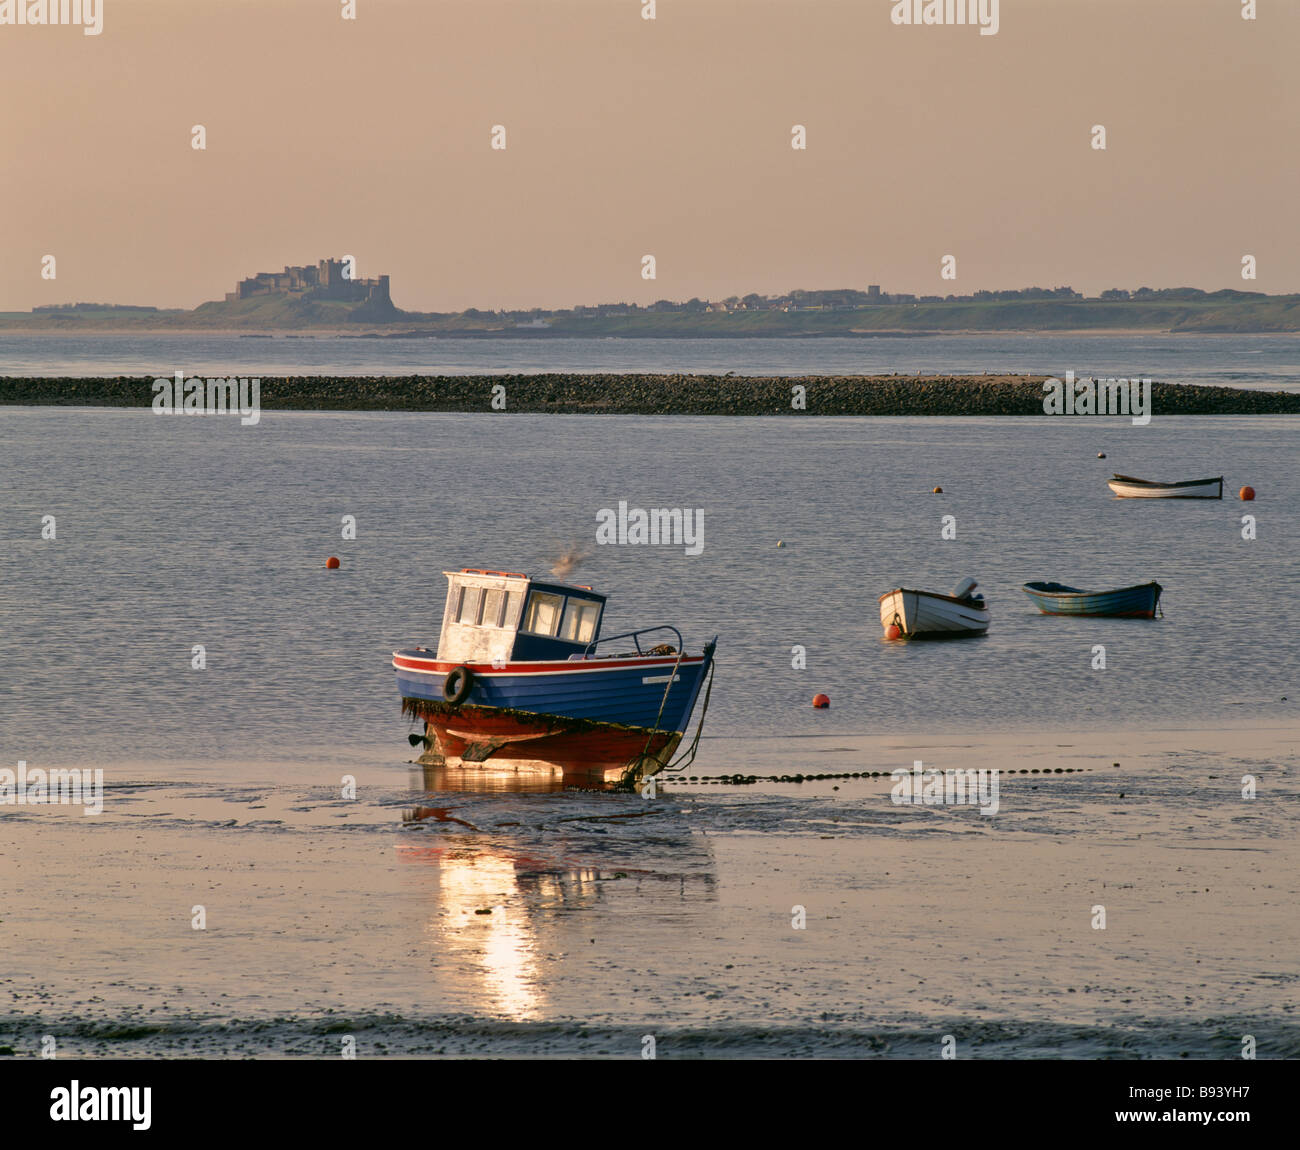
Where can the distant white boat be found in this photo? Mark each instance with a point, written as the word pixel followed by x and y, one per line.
pixel 1126 487
pixel 930 615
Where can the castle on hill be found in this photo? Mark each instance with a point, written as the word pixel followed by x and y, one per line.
pixel 327 280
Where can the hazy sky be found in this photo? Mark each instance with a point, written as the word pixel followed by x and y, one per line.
pixel 627 137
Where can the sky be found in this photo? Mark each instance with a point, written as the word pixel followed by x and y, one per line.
pixel 626 137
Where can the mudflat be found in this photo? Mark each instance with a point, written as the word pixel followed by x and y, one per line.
pixel 249 909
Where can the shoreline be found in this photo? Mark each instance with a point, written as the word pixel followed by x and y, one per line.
pixel 649 394
pixel 1274 735
pixel 361 332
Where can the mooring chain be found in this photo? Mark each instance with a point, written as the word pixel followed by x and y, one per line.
pixel 749 780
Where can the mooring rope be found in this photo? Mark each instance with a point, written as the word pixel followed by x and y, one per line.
pixel 687 757
pixel 672 676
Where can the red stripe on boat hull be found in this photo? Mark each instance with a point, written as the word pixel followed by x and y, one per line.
pixel 497 738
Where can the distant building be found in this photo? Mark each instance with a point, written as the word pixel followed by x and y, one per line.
pixel 325 281
pixel 873 293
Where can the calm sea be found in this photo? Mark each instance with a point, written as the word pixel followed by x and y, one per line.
pixel 1258 361
pixel 174 532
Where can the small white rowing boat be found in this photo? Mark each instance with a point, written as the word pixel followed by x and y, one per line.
pixel 1126 487
pixel 929 615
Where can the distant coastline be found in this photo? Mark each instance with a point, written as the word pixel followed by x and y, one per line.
pixel 607 394
pixel 312 308
pixel 361 332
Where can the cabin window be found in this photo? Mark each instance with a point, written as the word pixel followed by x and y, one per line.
pixel 579 621
pixel 511 617
pixel 543 614
pixel 492 608
pixel 469 601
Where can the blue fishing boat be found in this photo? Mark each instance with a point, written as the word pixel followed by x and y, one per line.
pixel 1137 602
pixel 520 680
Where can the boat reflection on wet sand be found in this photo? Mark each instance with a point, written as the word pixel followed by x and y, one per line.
pixel 518 887
pixel 477 780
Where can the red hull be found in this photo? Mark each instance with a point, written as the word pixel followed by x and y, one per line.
pixel 501 738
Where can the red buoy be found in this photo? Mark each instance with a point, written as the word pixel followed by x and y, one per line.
pixel 332 562
pixel 821 701
pixel 893 632
pixel 1247 493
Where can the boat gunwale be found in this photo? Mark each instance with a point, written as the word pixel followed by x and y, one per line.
pixel 1031 590
pixel 435 666
pixel 974 604
pixel 1133 481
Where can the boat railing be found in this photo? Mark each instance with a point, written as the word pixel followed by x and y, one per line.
pixel 635 636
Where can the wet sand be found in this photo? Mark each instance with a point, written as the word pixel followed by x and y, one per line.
pixel 520 922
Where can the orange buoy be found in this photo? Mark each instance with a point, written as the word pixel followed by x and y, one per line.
pixel 893 632
pixel 937 491
pixel 332 562
pixel 821 701
pixel 1247 493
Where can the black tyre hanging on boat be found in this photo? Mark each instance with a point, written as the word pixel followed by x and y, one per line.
pixel 458 684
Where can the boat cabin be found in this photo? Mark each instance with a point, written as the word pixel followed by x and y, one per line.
pixel 504 616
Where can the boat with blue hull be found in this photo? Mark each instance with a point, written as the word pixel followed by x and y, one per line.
pixel 523 679
pixel 1137 602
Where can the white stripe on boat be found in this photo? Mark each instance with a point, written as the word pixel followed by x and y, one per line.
pixel 691 662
